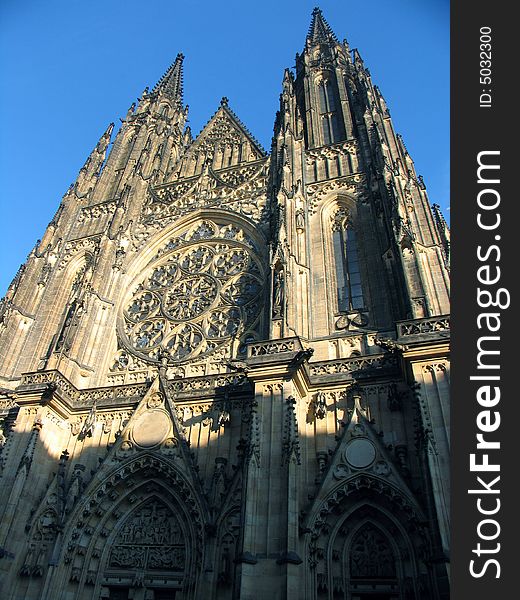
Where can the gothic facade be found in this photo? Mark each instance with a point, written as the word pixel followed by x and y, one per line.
pixel 224 371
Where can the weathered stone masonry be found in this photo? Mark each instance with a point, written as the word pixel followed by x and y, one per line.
pixel 225 372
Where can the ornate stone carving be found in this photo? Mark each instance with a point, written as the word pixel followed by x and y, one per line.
pixel 319 405
pixel 429 325
pixel 89 424
pixel 354 319
pixel 85 398
pixel 341 218
pixel 354 185
pixel 371 555
pixel 291 451
pixel 263 348
pixel 202 294
pixel 97 210
pixel 278 292
pixel 151 538
pixel 241 190
pixel 207 383
pixel 230 530
pixel 350 365
pixel 87 244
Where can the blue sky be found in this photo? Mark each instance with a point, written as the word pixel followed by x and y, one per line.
pixel 70 67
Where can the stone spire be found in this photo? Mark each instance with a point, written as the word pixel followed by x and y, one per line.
pixel 171 82
pixel 320 31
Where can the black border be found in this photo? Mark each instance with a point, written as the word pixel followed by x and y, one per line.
pixel 474 129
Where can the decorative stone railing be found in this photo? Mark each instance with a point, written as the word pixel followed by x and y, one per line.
pixel 111 395
pixel 274 347
pixel 79 398
pixel 356 365
pixel 208 383
pixel 429 326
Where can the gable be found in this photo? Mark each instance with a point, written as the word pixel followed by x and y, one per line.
pixel 224 143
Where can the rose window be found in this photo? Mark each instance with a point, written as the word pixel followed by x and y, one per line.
pixel 190 297
pixel 203 291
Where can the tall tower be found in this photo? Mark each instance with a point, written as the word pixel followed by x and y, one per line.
pixel 225 372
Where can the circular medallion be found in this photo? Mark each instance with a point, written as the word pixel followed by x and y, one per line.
pixel 151 428
pixel 360 453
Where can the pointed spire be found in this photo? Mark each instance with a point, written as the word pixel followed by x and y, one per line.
pixel 288 80
pixel 98 155
pixel 104 141
pixel 171 83
pixel 443 230
pixel 320 30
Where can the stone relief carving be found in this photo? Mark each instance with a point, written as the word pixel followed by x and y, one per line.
pixel 354 185
pixel 341 218
pixel 151 538
pixel 278 292
pixel 97 210
pixel 319 405
pixel 241 189
pixel 228 541
pixel 371 555
pixel 87 244
pixel 264 348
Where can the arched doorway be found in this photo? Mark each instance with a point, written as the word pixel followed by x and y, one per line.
pixel 367 541
pixel 137 535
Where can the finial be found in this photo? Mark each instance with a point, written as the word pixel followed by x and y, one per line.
pixel 224 101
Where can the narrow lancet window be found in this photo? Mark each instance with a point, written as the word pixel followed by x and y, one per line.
pixel 348 278
pixel 333 130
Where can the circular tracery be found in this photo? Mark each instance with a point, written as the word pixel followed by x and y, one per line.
pixel 190 297
pixel 203 290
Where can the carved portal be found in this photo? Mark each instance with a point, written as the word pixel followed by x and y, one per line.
pixel 361 544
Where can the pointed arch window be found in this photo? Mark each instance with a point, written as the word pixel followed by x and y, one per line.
pixel 333 130
pixel 348 276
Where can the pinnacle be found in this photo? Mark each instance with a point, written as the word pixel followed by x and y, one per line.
pixel 320 30
pixel 171 82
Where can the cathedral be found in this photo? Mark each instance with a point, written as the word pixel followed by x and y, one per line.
pixel 225 371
